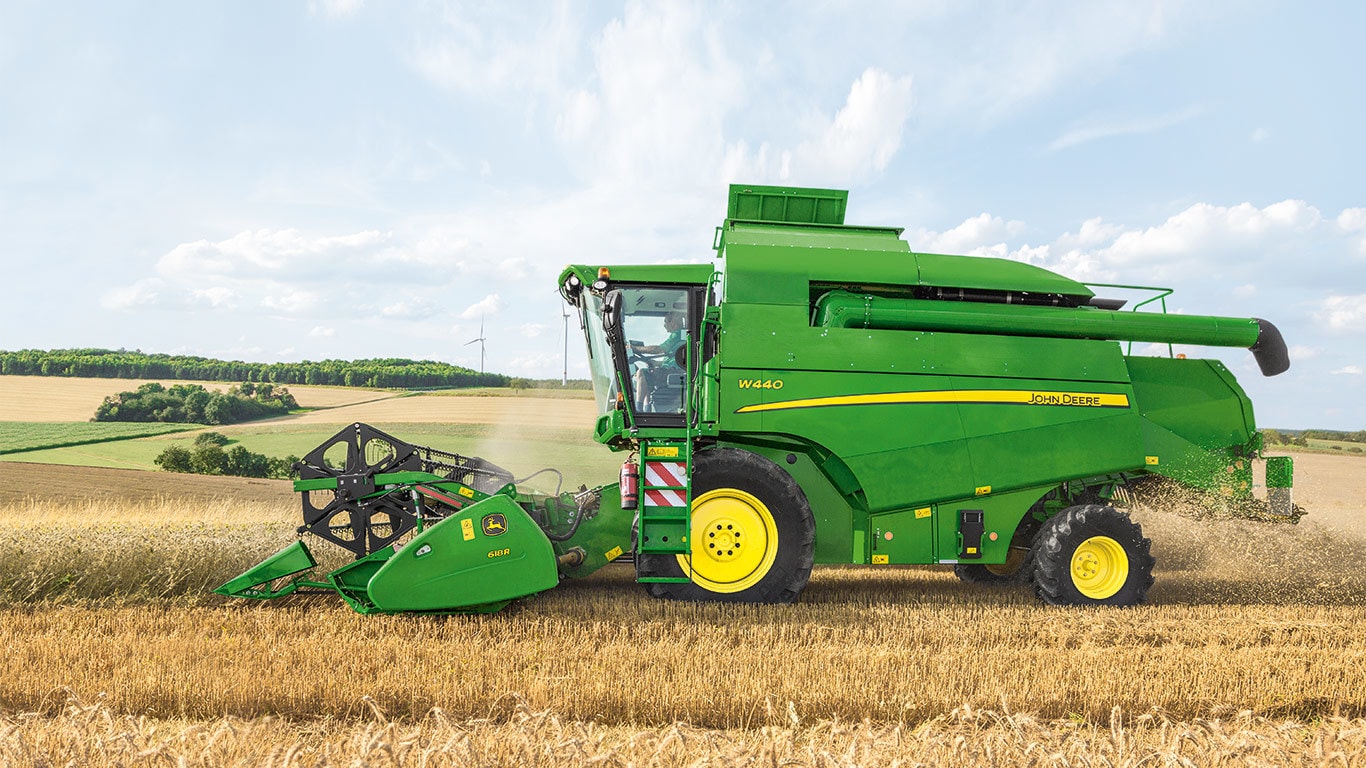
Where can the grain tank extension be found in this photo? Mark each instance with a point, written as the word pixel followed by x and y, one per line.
pixel 820 394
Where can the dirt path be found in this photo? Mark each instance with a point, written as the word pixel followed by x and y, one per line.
pixel 53 482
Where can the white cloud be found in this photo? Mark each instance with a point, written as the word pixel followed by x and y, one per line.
pixel 409 308
pixel 1352 219
pixel 489 305
pixel 322 331
pixel 1258 136
pixel 290 301
pixel 532 330
pixel 488 48
pixel 1009 58
pixel 267 252
pixel 1091 233
pixel 864 135
pixel 853 145
pixel 335 9
pixel 1343 313
pixel 1348 370
pixel 980 235
pixel 654 107
pixel 218 296
pixel 1235 243
pixel 143 293
pixel 1092 130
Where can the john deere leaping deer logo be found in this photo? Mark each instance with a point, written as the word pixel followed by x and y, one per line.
pixel 495 524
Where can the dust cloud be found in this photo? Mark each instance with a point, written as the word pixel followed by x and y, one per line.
pixel 1205 557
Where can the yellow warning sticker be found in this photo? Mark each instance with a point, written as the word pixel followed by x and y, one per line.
pixel 922 513
pixel 879 560
pixel 467 528
pixel 662 452
pixel 983 490
pixel 612 554
pixel 467 492
pixel 1150 460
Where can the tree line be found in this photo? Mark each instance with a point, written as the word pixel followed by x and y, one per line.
pixel 207 457
pixel 389 372
pixel 193 404
pixel 1303 436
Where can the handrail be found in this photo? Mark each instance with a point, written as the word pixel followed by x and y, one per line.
pixel 1161 298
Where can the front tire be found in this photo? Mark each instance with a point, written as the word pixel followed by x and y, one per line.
pixel 1092 555
pixel 751 532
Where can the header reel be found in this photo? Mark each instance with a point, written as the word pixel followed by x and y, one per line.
pixel 351 516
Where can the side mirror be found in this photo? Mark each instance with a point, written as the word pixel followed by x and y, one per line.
pixel 611 312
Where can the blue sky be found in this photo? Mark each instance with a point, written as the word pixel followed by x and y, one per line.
pixel 281 181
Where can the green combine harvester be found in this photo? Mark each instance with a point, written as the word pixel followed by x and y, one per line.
pixel 821 394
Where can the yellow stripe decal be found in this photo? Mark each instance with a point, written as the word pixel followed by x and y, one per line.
pixel 962 396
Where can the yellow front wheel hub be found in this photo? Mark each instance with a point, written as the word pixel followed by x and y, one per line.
pixel 734 541
pixel 1100 566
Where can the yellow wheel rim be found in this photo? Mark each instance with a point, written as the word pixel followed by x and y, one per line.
pixel 1100 567
pixel 734 541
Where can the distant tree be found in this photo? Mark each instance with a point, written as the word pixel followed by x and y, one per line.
pixel 211 438
pixel 283 468
pixel 175 459
pixel 207 457
pixel 208 460
pixel 243 463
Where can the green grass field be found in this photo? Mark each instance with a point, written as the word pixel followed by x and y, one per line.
pixel 519 449
pixel 17 436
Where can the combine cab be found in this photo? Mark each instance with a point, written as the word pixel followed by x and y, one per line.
pixel 820 395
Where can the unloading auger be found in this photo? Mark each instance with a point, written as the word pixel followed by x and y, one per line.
pixel 432 531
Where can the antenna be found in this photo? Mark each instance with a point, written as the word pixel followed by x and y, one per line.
pixel 481 341
pixel 564 310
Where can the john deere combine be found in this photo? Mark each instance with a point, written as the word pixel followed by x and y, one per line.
pixel 820 395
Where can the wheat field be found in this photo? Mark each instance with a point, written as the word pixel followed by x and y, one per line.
pixel 1249 651
pixel 51 398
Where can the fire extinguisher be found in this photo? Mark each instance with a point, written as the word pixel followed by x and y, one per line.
pixel 630 483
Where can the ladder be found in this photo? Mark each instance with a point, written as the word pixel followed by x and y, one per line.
pixel 665 496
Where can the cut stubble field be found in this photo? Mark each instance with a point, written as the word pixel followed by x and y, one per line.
pixel 1252 630
pixel 1249 649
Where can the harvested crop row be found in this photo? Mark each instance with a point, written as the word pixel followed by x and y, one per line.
pixel 93 735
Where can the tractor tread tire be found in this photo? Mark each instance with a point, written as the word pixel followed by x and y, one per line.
pixel 1058 539
pixel 750 472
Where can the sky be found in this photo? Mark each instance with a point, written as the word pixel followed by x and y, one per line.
pixel 276 181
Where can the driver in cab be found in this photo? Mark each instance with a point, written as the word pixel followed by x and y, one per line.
pixel 659 357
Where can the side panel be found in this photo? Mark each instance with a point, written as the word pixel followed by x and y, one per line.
pixel 932 534
pixel 921 439
pixel 1197 423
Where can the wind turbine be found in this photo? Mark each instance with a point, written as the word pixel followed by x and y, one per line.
pixel 481 341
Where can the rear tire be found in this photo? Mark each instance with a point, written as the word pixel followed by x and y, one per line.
pixel 1092 555
pixel 761 519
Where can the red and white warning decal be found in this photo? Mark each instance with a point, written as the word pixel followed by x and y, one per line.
pixel 666 473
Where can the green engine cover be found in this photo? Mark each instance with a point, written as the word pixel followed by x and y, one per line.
pixel 490 553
